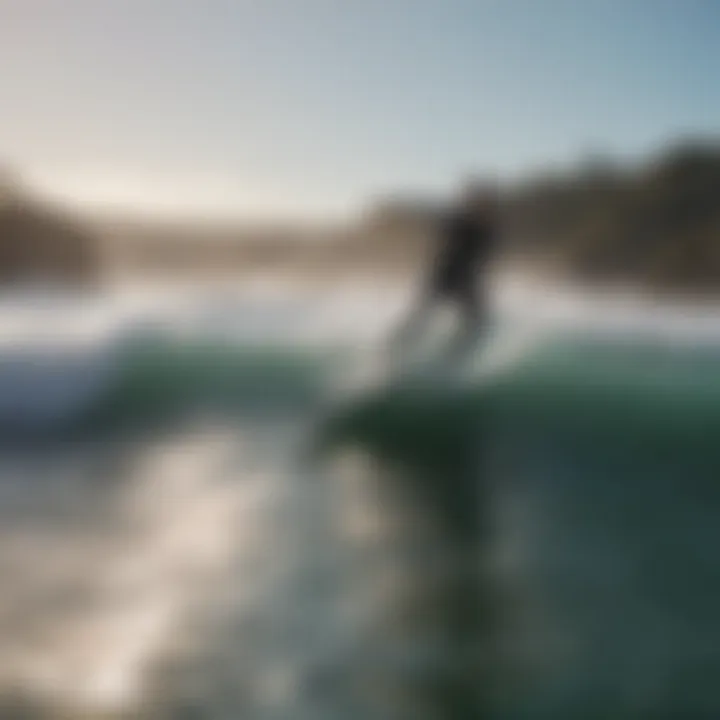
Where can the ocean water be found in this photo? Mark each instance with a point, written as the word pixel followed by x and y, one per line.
pixel 218 502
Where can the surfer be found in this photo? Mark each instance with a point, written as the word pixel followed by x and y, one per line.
pixel 466 244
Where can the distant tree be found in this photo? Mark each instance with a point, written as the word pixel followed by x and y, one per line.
pixel 657 224
pixel 11 186
pixel 41 242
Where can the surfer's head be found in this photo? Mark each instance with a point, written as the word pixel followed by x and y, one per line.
pixel 480 197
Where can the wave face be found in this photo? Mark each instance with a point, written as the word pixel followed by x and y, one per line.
pixel 198 520
pixel 591 468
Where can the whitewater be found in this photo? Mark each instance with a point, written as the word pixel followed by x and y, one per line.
pixel 169 547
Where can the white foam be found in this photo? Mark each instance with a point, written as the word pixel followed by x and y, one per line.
pixel 59 350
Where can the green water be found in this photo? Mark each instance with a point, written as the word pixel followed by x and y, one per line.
pixel 581 481
pixel 595 467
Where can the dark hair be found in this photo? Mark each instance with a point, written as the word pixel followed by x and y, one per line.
pixel 481 193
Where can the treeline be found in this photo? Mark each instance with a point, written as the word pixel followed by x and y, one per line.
pixel 657 225
pixel 39 242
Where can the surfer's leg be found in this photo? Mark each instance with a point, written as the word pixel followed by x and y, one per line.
pixel 476 312
pixel 471 310
pixel 411 327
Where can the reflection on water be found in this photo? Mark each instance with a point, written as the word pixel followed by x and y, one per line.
pixel 208 571
pixel 442 560
pixel 113 556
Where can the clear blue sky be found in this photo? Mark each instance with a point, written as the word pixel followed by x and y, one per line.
pixel 309 106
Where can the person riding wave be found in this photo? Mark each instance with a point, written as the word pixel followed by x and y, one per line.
pixel 466 243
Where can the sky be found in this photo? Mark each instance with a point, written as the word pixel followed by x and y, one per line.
pixel 307 108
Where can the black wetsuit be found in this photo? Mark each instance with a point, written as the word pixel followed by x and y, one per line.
pixel 466 243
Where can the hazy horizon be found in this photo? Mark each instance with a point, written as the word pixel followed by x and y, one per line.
pixel 306 109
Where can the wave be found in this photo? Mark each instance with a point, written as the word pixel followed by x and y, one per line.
pixel 147 372
pixel 592 466
pixel 622 393
pixel 163 379
pixel 149 381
